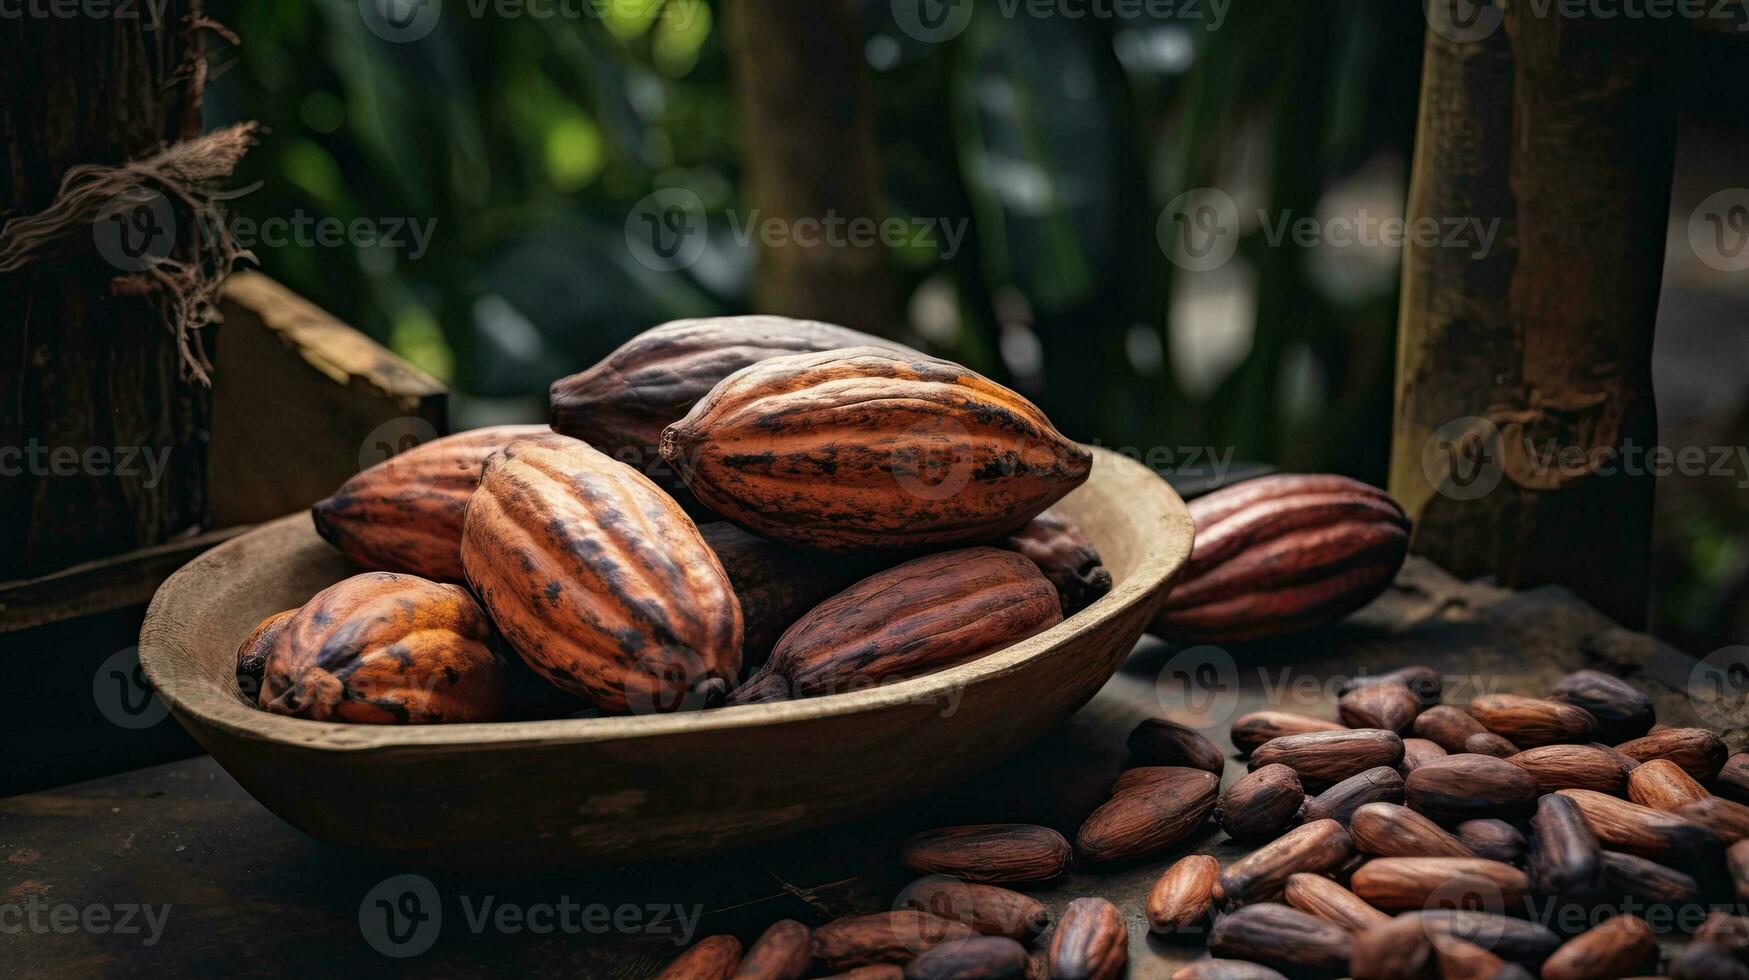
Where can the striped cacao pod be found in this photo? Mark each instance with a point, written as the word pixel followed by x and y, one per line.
pixel 1065 556
pixel 925 615
pixel 872 450
pixel 405 513
pixel 385 649
pixel 599 580
pixel 1281 554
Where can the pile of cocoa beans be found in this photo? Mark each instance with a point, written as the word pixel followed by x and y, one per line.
pixel 1561 835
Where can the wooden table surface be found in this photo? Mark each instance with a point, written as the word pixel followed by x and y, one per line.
pixel 246 894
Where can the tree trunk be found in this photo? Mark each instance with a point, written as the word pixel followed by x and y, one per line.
pixel 1524 381
pixel 808 143
pixel 102 441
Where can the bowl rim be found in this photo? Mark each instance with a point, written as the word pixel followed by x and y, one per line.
pixel 169 667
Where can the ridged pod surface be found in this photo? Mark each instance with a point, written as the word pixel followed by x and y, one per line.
pixel 925 615
pixel 1281 554
pixel 621 405
pixel 252 655
pixel 1066 556
pixel 872 450
pixel 405 513
pixel 599 580
pixel 385 649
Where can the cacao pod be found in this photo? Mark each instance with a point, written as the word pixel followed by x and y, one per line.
pixel 599 580
pixel 621 405
pixel 405 513
pixel 1065 556
pixel 870 450
pixel 925 615
pixel 252 655
pixel 385 649
pixel 1281 554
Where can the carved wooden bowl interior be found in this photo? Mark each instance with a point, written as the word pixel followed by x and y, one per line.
pixel 611 790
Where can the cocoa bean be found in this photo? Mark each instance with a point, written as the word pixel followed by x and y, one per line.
pixel 1649 881
pixel 877 971
pixel 1642 830
pixel 1663 785
pixel 1621 947
pixel 1158 742
pixel 1447 727
pixel 1727 819
pixel 1459 960
pixel 1737 862
pixel 1568 861
pixel 1180 901
pixel 881 937
pixel 993 853
pixel 1699 752
pixel 1315 848
pixel 1397 950
pixel 1424 681
pixel 1261 804
pixel 1496 840
pixel 1252 730
pixel 1530 722
pixel 780 953
pixel 1219 969
pixel 1488 743
pixel 1572 767
pixel 988 909
pixel 1461 787
pixel 1418 752
pixel 711 958
pixel 1732 781
pixel 1324 758
pixel 1402 884
pixel 1621 710
pixel 1091 942
pixel 1380 785
pixel 1389 830
pixel 1729 931
pixel 1388 705
pixel 1513 940
pixel 1292 941
pixel 1155 810
pixel 977 958
pixel 1707 961
pixel 1331 902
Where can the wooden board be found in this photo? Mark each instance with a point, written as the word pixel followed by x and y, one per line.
pixel 251 895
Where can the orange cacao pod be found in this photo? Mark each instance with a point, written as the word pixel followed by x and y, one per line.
pixel 405 513
pixel 872 450
pixel 599 580
pixel 386 649
pixel 925 615
pixel 1066 556
pixel 621 405
pixel 1282 554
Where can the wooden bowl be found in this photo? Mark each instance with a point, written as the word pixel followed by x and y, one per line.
pixel 613 790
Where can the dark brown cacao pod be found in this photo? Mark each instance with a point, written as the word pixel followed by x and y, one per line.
pixel 1066 556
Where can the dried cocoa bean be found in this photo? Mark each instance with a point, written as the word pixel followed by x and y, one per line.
pixel 1426 682
pixel 1699 752
pixel 711 958
pixel 1488 743
pixel 1065 556
pixel 1418 752
pixel 1380 785
pixel 1459 960
pixel 1324 758
pixel 1572 767
pixel 1495 840
pixel 881 937
pixel 992 853
pixel 1402 884
pixel 780 953
pixel 1275 935
pixel 1530 722
pixel 1158 742
pixel 1729 931
pixel 1642 830
pixel 1159 808
pixel 1091 942
pixel 1727 819
pixel 1389 830
pixel 1447 727
pixel 1737 862
pixel 1387 704
pixel 989 910
pixel 977 958
pixel 1315 848
pixel 1219 969
pixel 1568 860
pixel 1732 781
pixel 1649 881
pixel 1461 787
pixel 1179 902
pixel 878 971
pixel 1663 785
pixel 1331 902
pixel 1621 947
pixel 925 615
pixel 1261 804
pixel 1400 949
pixel 1621 710
pixel 1707 961
pixel 1513 940
pixel 1252 730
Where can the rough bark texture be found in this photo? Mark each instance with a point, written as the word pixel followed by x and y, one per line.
pixel 808 142
pixel 83 369
pixel 1561 129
